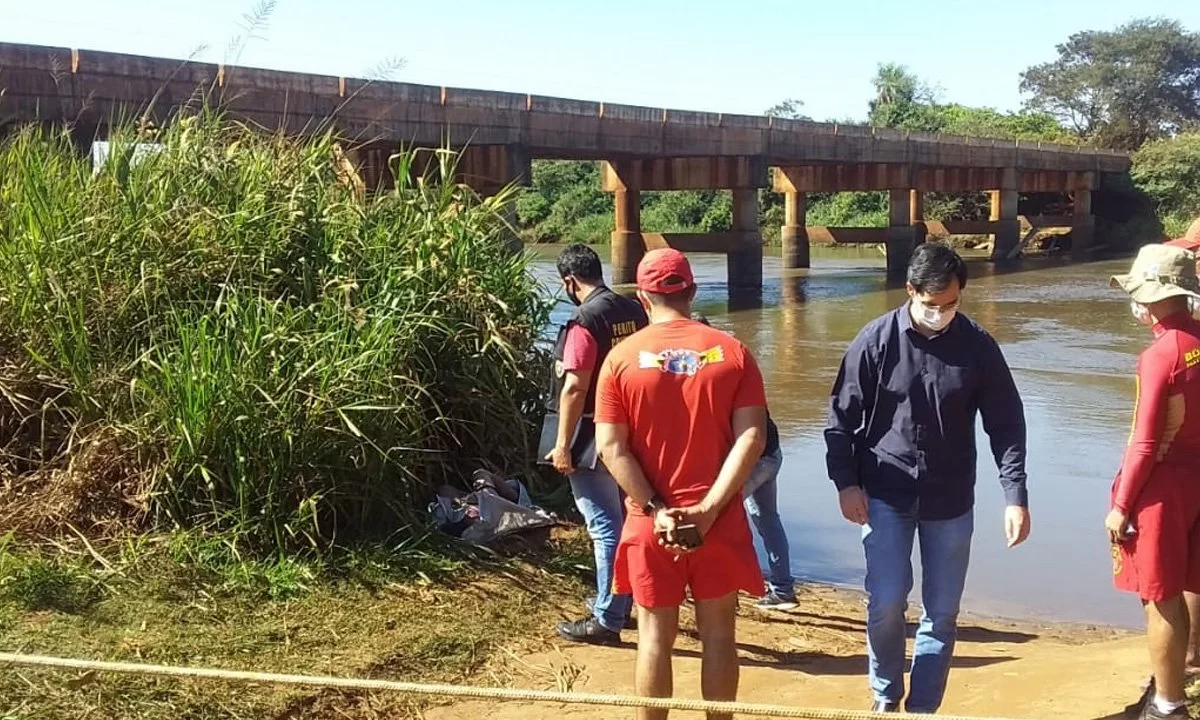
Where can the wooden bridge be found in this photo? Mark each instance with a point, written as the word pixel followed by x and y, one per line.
pixel 644 149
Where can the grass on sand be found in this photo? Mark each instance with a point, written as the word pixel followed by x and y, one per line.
pixel 410 613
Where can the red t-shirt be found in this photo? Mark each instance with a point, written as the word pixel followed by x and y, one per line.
pixel 676 385
pixel 1166 424
pixel 580 349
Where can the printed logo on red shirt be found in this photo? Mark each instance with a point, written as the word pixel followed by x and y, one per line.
pixel 680 361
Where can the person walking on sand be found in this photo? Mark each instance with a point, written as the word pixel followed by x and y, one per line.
pixel 680 422
pixel 761 498
pixel 1154 521
pixel 601 319
pixel 901 450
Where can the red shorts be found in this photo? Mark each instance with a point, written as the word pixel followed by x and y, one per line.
pixel 1162 558
pixel 723 564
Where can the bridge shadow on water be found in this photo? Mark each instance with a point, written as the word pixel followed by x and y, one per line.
pixel 787 288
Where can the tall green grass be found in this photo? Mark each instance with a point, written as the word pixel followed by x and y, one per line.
pixel 257 346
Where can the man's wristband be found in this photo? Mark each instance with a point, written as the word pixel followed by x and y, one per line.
pixel 653 505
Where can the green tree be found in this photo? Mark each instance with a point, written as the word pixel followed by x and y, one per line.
pixel 789 108
pixel 1123 87
pixel 988 122
pixel 562 194
pixel 902 100
pixel 1168 171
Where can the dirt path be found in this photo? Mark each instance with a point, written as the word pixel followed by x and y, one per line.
pixel 815 657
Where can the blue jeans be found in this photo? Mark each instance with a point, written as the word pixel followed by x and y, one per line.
pixel 945 553
pixel 599 500
pixel 759 496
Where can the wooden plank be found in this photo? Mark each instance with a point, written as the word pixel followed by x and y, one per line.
pixel 1056 181
pixel 961 179
pixel 1048 221
pixel 939 228
pixel 716 242
pixel 823 235
pixel 686 173
pixel 842 177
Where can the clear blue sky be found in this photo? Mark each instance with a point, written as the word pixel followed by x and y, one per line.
pixel 735 56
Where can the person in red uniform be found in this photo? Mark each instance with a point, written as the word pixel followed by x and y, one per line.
pixel 1154 523
pixel 680 423
pixel 1191 241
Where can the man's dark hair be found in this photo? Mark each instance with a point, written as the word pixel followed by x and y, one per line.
pixel 680 301
pixel 932 267
pixel 582 262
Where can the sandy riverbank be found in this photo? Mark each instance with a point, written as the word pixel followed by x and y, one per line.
pixel 814 656
pixel 485 622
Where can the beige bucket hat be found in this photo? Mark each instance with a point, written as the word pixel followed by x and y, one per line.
pixel 1160 272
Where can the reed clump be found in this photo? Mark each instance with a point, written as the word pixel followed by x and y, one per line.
pixel 214 327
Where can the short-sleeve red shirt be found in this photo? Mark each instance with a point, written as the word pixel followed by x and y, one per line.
pixel 676 385
pixel 580 350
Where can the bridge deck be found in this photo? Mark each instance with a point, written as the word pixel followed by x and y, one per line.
pixel 60 84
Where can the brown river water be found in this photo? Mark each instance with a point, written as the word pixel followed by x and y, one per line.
pixel 1071 343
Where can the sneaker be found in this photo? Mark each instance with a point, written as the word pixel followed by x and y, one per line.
pixel 588 630
pixel 775 601
pixel 630 620
pixel 1150 712
pixel 885 706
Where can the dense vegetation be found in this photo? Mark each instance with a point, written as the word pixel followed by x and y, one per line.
pixel 1137 86
pixel 1168 171
pixel 223 331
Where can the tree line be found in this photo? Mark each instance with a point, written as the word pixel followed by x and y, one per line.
pixel 1134 88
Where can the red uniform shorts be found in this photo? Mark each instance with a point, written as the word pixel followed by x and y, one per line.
pixel 723 564
pixel 1162 558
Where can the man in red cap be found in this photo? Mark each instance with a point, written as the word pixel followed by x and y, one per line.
pixel 680 422
pixel 1190 239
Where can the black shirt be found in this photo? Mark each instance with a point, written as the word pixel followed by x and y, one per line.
pixel 902 416
pixel 772 437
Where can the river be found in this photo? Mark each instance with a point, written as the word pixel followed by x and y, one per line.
pixel 1071 343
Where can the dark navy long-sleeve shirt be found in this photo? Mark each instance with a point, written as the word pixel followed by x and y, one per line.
pixel 902 416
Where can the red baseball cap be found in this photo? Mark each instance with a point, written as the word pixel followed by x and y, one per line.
pixel 1190 239
pixel 664 271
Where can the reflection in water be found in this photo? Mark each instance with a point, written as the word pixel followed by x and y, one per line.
pixel 1071 344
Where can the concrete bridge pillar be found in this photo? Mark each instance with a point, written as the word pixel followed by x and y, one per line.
pixel 1004 214
pixel 901 233
pixel 916 215
pixel 627 244
pixel 1083 224
pixel 368 162
pixel 794 233
pixel 745 255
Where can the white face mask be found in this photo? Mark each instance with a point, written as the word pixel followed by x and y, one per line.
pixel 935 319
pixel 1140 313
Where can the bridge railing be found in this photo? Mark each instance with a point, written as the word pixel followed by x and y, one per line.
pixel 16 59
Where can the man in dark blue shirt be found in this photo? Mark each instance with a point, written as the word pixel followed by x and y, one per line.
pixel 901 450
